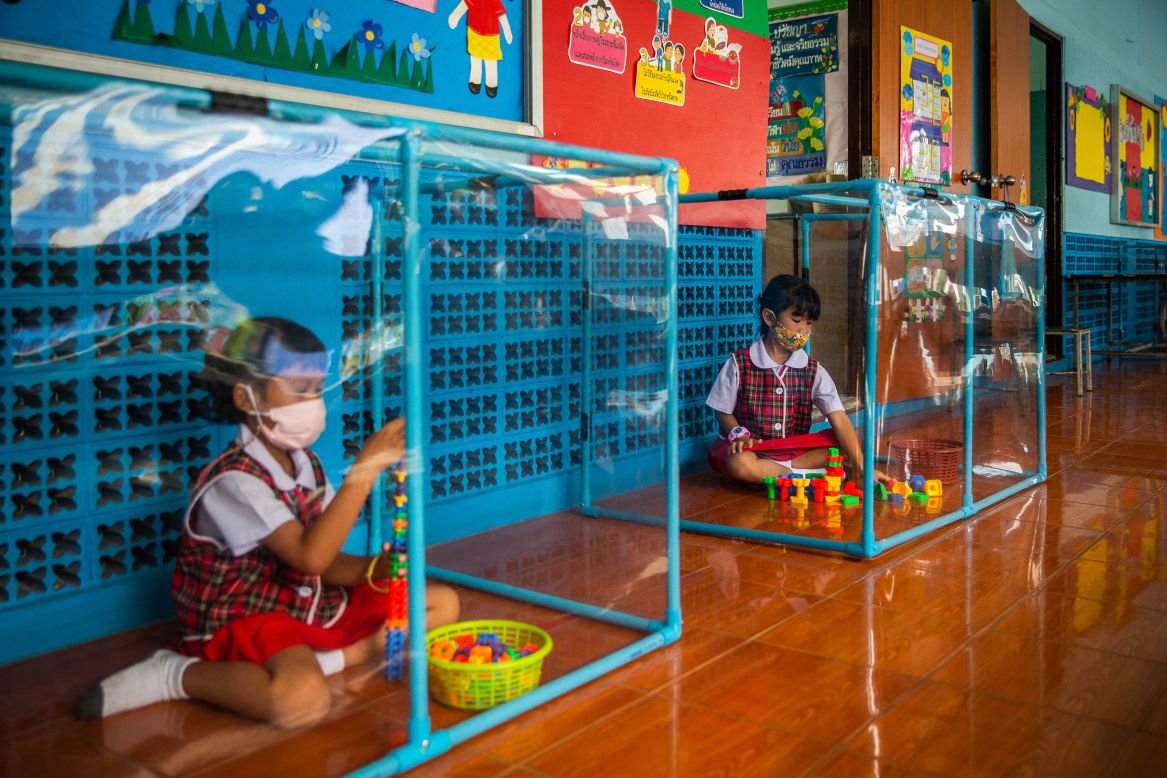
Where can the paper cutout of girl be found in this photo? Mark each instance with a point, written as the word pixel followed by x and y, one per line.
pixel 484 20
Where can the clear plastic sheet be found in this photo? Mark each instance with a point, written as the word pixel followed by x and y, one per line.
pixel 933 347
pixel 513 302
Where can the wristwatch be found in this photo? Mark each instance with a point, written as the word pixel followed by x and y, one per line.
pixel 737 433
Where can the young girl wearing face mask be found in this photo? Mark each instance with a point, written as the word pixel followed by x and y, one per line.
pixel 765 392
pixel 267 603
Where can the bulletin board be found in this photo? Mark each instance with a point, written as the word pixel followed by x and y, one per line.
pixel 713 94
pixel 1088 149
pixel 1135 148
pixel 405 52
pixel 1161 104
pixel 806 131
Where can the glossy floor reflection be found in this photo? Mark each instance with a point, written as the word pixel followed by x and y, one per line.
pixel 1031 639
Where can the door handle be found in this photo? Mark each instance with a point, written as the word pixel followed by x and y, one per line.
pixel 970 175
pixel 999 180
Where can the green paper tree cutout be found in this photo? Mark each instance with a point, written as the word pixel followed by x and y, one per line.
pixel 220 38
pixel 202 35
pixel 214 39
pixel 183 35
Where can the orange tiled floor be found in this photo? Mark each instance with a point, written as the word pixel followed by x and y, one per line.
pixel 1031 639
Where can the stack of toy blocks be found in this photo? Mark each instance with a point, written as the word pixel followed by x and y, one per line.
pixel 397 619
pixel 918 490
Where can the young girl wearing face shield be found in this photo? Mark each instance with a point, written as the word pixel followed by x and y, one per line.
pixel 267 602
pixel 765 392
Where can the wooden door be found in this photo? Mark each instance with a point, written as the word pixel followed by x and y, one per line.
pixel 1009 98
pixel 917 360
pixel 949 20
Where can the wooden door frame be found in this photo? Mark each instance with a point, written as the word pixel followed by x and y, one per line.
pixel 859 84
pixel 1055 89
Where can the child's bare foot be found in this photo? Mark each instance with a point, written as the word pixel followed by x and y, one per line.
pixel 366 650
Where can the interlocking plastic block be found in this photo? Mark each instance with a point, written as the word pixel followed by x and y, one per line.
pixel 799 496
pixel 880 492
pixel 917 483
pixel 895 498
pixel 933 488
pixel 902 489
pixel 769 482
pixel 849 500
pixel 918 497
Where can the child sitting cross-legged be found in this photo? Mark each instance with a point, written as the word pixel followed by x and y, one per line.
pixel 267 602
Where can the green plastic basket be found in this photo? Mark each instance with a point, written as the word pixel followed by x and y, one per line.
pixel 479 687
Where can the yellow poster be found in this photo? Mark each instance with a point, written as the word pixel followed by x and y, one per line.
pixel 659 84
pixel 926 99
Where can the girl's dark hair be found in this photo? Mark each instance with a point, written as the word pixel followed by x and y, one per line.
pixel 243 355
pixel 788 292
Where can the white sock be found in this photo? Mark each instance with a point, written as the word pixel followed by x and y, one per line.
pixel 156 678
pixel 331 662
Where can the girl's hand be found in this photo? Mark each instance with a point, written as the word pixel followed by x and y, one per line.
pixel 384 447
pixel 741 444
pixel 384 566
pixel 879 477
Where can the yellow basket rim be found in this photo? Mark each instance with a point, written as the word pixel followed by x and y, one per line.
pixel 486 625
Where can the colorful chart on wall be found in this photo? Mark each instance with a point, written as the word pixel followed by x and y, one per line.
pixel 456 55
pixel 796 131
pixel 1088 163
pixel 597 37
pixel 800 47
pixel 731 7
pixel 925 278
pixel 660 75
pixel 926 100
pixel 1135 137
pixel 1161 104
pixel 717 60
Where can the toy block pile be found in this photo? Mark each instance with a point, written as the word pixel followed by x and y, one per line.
pixel 485 649
pixel 397 618
pixel 829 488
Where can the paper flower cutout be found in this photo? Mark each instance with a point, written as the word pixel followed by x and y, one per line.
pixel 317 24
pixel 262 13
pixel 370 35
pixel 417 48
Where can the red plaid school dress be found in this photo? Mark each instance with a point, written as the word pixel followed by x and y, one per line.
pixel 254 605
pixel 773 403
pixel 769 407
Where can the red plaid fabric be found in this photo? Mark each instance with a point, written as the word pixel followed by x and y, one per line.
pixel 212 586
pixel 760 406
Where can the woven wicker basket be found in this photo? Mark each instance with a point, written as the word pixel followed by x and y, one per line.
pixel 931 458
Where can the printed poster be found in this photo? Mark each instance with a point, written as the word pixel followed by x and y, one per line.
pixel 925 277
pixel 660 75
pixel 804 46
pixel 1135 133
pixel 796 131
pixel 1088 163
pixel 1159 230
pixel 925 109
pixel 727 7
pixel 597 37
pixel 717 60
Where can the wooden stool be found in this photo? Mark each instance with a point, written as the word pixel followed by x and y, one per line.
pixel 1081 366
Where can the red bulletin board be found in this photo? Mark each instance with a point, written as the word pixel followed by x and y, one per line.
pixel 718 136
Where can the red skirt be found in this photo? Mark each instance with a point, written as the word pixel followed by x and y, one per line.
pixel 777 449
pixel 260 636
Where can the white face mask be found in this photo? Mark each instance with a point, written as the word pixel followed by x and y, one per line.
pixel 292 426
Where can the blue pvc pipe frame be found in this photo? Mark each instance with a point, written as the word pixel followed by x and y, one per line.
pixel 424 743
pixel 869 546
pixel 406 148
